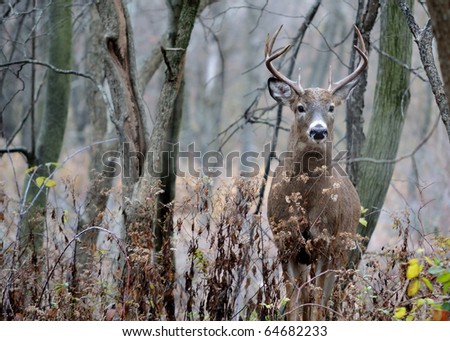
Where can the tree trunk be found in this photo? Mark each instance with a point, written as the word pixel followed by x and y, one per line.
pixel 154 60
pixel 159 176
pixel 128 113
pixel 51 133
pixel 355 104
pixel 101 180
pixel 144 173
pixel 390 106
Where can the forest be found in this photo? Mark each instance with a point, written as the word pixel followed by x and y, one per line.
pixel 139 145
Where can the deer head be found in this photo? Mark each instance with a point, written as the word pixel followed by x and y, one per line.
pixel 313 107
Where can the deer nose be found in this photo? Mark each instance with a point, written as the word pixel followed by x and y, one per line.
pixel 318 133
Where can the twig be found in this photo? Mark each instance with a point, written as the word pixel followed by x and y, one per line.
pixel 412 153
pixel 24 118
pixel 50 66
pixel 403 65
pixel 21 150
pixel 60 166
pixel 102 229
pixel 313 304
pixel 108 104
pixel 166 61
pixel 273 147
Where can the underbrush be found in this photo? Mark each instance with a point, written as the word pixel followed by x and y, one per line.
pixel 227 267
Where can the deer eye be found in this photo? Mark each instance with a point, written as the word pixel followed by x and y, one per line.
pixel 301 108
pixel 331 109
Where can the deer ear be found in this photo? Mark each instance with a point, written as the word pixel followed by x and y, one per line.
pixel 343 93
pixel 279 90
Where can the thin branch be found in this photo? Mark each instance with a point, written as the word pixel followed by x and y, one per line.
pixel 22 150
pixel 22 212
pixel 403 65
pixel 241 122
pixel 263 8
pixel 424 39
pixel 313 305
pixel 109 106
pixel 308 282
pixel 331 48
pixel 267 123
pixel 78 235
pixel 25 117
pixel 166 61
pixel 273 146
pixel 412 153
pixel 219 50
pixel 50 66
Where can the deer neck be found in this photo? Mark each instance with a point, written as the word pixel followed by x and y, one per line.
pixel 307 158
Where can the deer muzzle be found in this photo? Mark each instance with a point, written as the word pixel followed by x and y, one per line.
pixel 318 133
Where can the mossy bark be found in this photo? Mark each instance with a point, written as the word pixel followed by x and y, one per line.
pixel 390 106
pixel 52 126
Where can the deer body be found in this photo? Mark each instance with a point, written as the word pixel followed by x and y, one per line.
pixel 312 209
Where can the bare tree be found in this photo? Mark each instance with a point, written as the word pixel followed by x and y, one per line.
pixel 424 38
pixel 440 12
pixel 140 184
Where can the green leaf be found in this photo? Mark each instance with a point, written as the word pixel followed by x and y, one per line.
pixel 399 313
pixel 64 216
pixel 413 287
pixel 436 270
pixel 446 306
pixel 446 288
pixel 420 302
pixel 102 252
pixel 364 210
pixel 410 318
pixel 384 311
pixel 444 278
pixel 363 221
pixel 50 183
pixel 429 301
pixel 414 268
pixel 55 164
pixel 429 261
pixel 284 301
pixel 40 181
pixel 427 282
pixel 31 169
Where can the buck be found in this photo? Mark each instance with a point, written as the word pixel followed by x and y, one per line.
pixel 312 209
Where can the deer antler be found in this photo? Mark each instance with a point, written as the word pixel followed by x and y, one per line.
pixel 361 67
pixel 296 86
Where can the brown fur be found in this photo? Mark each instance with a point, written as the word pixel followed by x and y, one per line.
pixel 312 210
